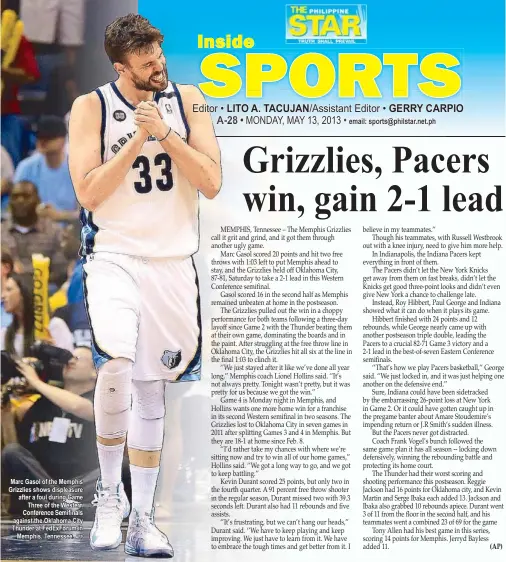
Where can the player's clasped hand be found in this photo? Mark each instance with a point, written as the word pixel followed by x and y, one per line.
pixel 148 117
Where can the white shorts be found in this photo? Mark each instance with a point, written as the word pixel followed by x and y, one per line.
pixel 47 21
pixel 146 310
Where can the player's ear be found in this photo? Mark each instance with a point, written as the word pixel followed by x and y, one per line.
pixel 119 67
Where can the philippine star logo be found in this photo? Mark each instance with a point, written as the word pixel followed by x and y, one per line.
pixel 326 23
pixel 171 359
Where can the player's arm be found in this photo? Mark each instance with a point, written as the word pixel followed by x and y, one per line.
pixel 199 160
pixel 93 181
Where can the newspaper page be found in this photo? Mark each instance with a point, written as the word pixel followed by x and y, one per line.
pixel 356 279
pixel 351 279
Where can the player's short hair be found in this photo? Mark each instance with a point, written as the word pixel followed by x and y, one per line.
pixel 130 34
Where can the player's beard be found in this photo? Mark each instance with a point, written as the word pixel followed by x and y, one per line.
pixel 150 85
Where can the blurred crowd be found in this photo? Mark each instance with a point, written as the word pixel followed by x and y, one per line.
pixel 40 215
pixel 47 392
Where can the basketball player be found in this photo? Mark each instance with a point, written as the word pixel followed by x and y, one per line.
pixel 139 155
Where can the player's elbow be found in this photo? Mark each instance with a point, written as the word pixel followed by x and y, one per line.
pixel 212 188
pixel 91 206
pixel 87 200
pixel 213 183
pixel 86 194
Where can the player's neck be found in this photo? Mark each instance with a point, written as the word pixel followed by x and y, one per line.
pixel 132 94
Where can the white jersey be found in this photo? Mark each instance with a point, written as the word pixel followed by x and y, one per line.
pixel 154 212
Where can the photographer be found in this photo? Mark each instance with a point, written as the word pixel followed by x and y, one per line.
pixel 56 437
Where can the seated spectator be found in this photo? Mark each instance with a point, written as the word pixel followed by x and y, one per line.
pixel 18 337
pixel 7 171
pixel 36 455
pixel 25 234
pixel 48 169
pixel 23 70
pixel 7 269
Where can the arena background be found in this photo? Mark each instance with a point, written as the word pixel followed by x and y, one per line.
pixel 189 507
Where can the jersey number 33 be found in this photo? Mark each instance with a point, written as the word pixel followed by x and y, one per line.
pixel 143 164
